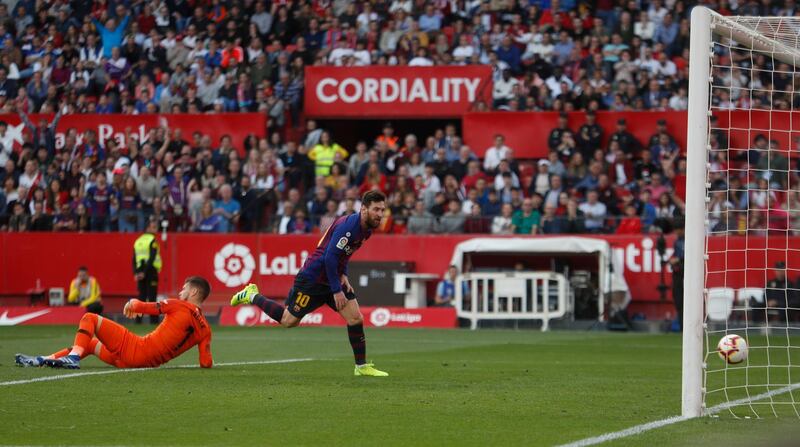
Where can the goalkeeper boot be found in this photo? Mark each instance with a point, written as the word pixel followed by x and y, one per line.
pixel 245 296
pixel 368 369
pixel 66 362
pixel 27 360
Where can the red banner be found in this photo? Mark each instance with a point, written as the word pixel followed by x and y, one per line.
pixel 25 315
pixel 237 125
pixel 741 127
pixel 33 260
pixel 395 92
pixel 527 132
pixel 434 317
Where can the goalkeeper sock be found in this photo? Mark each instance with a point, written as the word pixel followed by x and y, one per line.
pixel 271 308
pixel 358 342
pixel 59 354
pixel 83 338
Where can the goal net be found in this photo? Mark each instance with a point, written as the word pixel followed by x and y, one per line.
pixel 742 257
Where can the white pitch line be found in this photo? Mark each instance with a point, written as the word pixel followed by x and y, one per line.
pixel 639 429
pixel 126 370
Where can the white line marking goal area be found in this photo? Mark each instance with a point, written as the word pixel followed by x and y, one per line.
pixel 130 370
pixel 639 429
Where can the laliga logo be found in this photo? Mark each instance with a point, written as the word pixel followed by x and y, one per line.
pixel 234 265
pixel 380 317
pixel 247 316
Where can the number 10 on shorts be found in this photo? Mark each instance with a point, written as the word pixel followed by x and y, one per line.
pixel 302 299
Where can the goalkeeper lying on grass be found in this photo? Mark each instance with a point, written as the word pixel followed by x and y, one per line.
pixel 184 326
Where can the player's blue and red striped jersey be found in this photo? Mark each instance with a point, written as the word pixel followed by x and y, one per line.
pixel 329 261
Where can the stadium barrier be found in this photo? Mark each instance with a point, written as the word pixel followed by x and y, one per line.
pixel 511 296
pixel 435 317
pixel 231 260
pixel 26 315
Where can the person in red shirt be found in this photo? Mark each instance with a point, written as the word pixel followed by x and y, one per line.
pixel 631 223
pixel 231 51
pixel 184 326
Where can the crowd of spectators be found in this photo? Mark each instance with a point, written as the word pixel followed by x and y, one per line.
pixel 434 184
pixel 216 55
pixel 178 56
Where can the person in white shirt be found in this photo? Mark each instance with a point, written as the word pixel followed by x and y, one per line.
pixel 503 168
pixel 543 48
pixel 361 56
pixel 644 28
pixel 665 67
pixel 363 19
pixel 421 59
pixel 431 185
pixel 498 66
pixel 495 153
pixel 92 50
pixel 405 5
pixel 286 217
pixel 502 224
pixel 555 81
pixel 680 100
pixel 594 210
pixel 6 143
pixel 464 51
pixel 503 90
pixel 646 61
pixel 657 11
pixel 531 37
pixel 339 53
pixel 29 175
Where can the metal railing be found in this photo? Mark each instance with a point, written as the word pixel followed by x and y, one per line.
pixel 511 296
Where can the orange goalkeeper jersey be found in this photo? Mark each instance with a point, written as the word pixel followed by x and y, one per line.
pixel 184 326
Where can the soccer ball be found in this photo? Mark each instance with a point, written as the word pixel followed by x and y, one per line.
pixel 732 348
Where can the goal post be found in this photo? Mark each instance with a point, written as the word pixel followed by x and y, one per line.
pixel 742 216
pixel 695 227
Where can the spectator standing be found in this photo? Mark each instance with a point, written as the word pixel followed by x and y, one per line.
pixel 98 198
pixel 111 33
pixel 495 153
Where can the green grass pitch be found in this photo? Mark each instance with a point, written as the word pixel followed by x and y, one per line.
pixel 447 387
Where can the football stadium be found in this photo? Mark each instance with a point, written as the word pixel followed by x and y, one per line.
pixel 399 222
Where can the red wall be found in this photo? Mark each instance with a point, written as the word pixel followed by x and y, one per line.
pixel 53 259
pixel 237 125
pixel 527 132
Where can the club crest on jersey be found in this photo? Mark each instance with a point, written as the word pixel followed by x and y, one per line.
pixel 342 243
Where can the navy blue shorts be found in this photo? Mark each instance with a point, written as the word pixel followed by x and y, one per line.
pixel 306 296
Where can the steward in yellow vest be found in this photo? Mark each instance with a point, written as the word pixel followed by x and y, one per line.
pixel 324 154
pixel 147 265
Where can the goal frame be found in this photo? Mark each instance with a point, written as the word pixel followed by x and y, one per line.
pixel 704 23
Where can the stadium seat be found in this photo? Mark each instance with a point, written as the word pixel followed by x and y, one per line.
pixel 719 303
